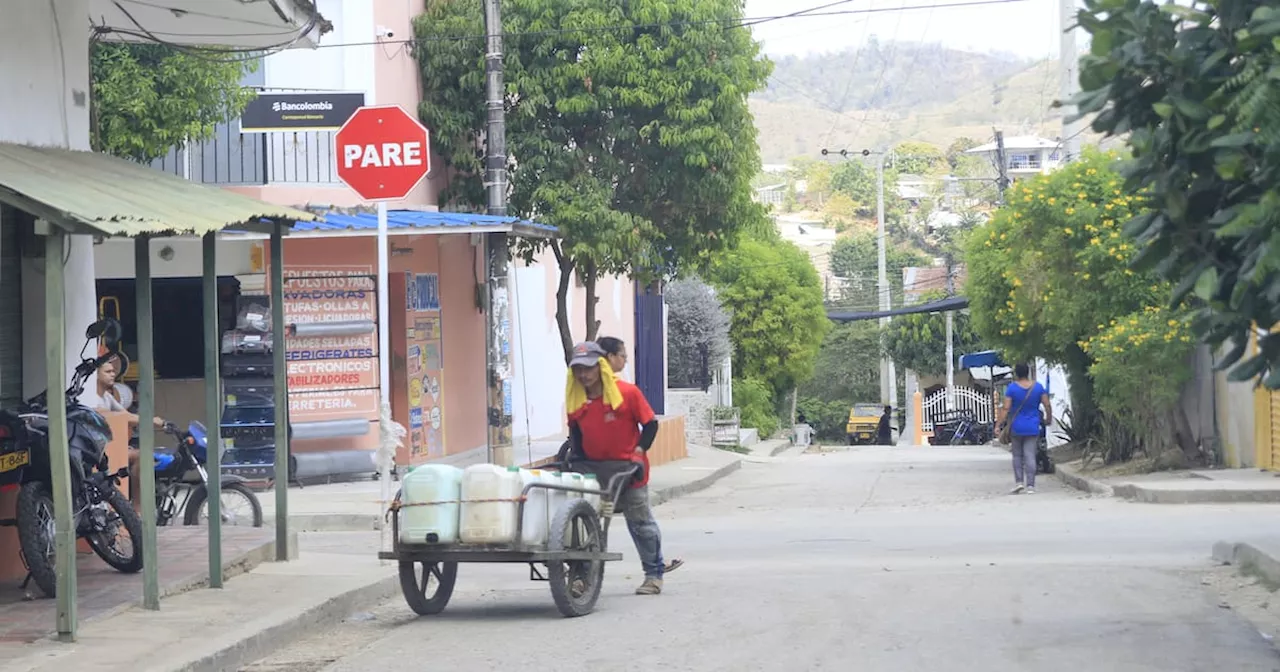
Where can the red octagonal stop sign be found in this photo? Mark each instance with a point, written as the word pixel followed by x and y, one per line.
pixel 383 152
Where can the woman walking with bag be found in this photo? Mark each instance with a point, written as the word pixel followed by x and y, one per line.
pixel 1021 430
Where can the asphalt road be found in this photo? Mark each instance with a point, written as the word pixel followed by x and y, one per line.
pixel 894 559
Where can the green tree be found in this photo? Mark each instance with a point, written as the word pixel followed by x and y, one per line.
pixel 858 181
pixel 848 364
pixel 855 258
pixel 777 320
pixel 635 141
pixel 956 150
pixel 1193 89
pixel 1051 271
pixel 847 372
pixel 919 158
pixel 919 342
pixel 147 98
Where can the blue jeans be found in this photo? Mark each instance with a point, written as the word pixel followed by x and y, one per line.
pixel 634 505
pixel 1024 459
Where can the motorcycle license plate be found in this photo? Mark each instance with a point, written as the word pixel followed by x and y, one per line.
pixel 11 461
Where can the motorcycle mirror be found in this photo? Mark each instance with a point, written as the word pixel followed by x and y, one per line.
pixel 108 330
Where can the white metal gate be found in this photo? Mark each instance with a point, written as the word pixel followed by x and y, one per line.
pixel 966 399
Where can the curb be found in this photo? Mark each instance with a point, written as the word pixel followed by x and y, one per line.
pixel 265 642
pixel 1249 559
pixel 1086 484
pixel 667 494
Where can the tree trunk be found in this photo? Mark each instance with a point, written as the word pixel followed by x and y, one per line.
pixel 590 273
pixel 566 266
pixel 1084 409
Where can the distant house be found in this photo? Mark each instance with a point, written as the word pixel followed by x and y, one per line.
pixel 920 280
pixel 770 195
pixel 1026 155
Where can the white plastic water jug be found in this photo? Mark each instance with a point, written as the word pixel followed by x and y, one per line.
pixel 555 498
pixel 575 481
pixel 534 528
pixel 429 497
pixel 489 494
pixel 590 481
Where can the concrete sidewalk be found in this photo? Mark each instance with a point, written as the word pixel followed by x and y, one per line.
pixel 337 574
pixel 1209 486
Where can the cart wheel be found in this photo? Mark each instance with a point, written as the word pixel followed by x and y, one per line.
pixel 417 580
pixel 575 584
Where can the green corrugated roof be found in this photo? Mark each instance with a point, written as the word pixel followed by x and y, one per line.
pixel 88 192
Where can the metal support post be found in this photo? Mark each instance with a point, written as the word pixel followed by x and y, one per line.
pixel 55 340
pixel 384 370
pixel 213 406
pixel 146 411
pixel 281 379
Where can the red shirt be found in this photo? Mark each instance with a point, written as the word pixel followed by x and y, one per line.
pixel 614 434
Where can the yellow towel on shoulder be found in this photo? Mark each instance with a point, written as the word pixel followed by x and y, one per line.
pixel 575 395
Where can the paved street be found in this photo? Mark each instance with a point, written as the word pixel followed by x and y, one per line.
pixel 903 559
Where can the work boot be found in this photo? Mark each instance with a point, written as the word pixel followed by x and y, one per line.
pixel 650 587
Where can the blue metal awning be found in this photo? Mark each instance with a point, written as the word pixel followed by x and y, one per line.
pixel 424 222
pixel 987 358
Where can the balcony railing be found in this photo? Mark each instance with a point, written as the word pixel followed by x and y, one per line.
pixel 230 158
pixel 1017 162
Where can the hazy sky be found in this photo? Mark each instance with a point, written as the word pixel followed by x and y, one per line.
pixel 1028 28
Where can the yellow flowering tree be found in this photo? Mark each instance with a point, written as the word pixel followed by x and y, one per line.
pixel 1051 270
pixel 1139 369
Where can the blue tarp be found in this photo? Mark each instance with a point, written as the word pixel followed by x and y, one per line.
pixel 983 359
pixel 417 219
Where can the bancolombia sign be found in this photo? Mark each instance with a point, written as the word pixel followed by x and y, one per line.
pixel 314 111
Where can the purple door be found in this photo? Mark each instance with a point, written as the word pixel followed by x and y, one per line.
pixel 651 342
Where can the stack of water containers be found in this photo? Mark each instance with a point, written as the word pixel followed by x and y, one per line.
pixel 442 504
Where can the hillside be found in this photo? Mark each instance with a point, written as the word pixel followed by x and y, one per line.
pixel 928 93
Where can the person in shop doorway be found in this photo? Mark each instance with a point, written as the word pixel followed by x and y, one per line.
pixel 884 430
pixel 1021 399
pixel 615 350
pixel 107 399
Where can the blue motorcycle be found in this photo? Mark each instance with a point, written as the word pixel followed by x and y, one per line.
pixel 182 484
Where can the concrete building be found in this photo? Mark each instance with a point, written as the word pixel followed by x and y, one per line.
pixel 1026 155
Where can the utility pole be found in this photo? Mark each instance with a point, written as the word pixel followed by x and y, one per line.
pixel 951 356
pixel 888 372
pixel 497 256
pixel 888 390
pixel 1069 67
pixel 1002 165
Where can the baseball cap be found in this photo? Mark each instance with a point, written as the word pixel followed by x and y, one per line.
pixel 586 353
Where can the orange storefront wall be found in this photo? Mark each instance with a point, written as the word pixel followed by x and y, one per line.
pixel 458 264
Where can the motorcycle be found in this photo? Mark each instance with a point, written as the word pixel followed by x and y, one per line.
pixel 182 483
pixel 100 511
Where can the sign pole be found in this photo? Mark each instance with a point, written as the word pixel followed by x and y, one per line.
pixel 383 153
pixel 384 368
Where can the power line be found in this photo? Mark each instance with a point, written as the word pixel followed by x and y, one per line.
pixel 727 23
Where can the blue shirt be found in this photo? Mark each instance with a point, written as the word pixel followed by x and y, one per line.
pixel 1027 422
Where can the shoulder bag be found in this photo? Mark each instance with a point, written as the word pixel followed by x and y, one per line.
pixel 1006 432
